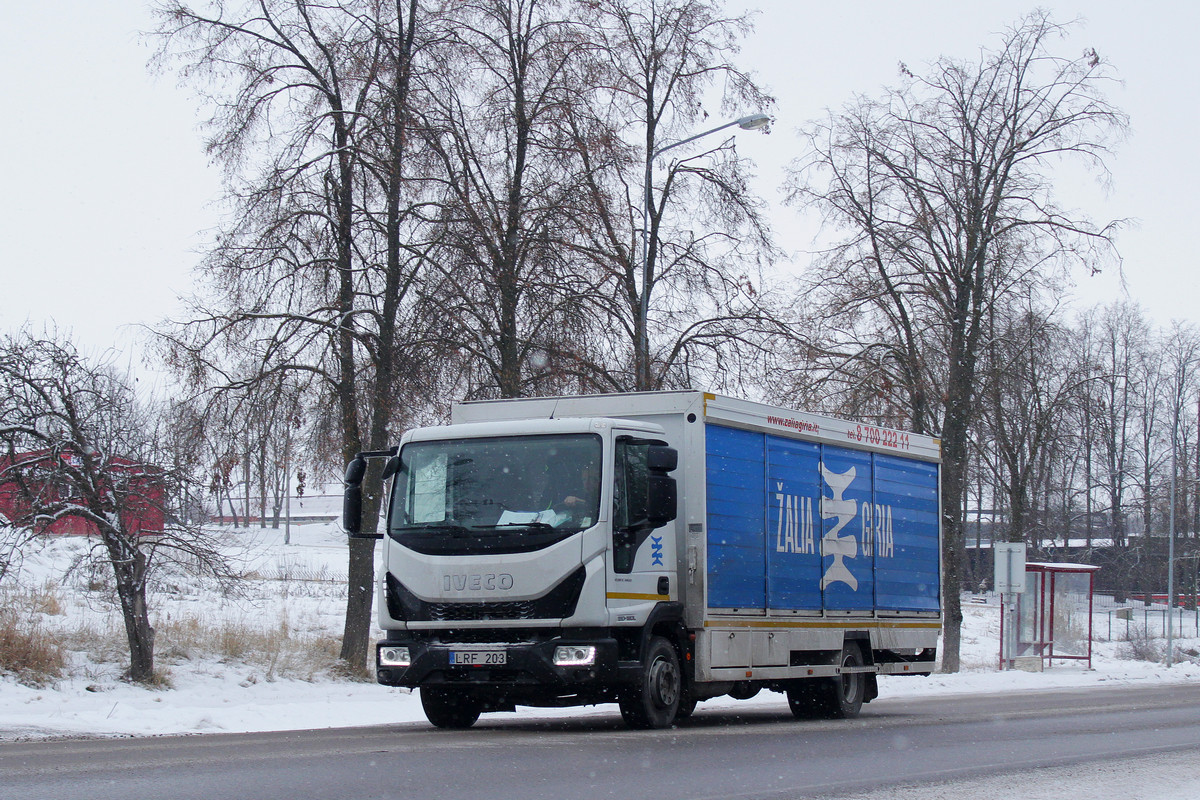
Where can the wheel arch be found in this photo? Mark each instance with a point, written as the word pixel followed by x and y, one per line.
pixel 666 620
pixel 862 639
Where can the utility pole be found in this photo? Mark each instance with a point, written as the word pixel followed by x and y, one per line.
pixel 287 498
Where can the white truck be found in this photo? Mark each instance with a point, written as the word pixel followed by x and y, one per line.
pixel 655 550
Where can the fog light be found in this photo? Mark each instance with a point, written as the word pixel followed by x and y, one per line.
pixel 394 657
pixel 574 655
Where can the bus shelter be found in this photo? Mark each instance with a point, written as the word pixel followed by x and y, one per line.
pixel 1052 618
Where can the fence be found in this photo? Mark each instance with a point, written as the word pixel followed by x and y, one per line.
pixel 310 508
pixel 1153 621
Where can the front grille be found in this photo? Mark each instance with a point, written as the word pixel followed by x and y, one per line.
pixel 557 603
pixel 467 612
pixel 478 636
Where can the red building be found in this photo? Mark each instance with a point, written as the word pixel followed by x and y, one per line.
pixel 142 511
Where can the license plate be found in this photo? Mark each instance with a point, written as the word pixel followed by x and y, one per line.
pixel 482 658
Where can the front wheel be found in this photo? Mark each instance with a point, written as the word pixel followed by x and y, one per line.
pixel 687 705
pixel 449 709
pixel 654 702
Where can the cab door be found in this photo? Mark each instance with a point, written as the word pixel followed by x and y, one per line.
pixel 642 563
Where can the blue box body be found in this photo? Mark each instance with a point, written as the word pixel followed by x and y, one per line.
pixel 815 527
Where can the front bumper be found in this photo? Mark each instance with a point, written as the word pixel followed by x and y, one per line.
pixel 529 664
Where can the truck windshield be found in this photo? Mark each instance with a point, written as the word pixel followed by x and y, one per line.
pixel 490 491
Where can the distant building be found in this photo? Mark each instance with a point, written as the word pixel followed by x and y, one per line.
pixel 142 511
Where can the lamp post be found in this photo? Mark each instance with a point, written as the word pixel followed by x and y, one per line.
pixel 748 123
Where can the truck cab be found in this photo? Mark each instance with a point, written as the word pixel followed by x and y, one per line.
pixel 521 564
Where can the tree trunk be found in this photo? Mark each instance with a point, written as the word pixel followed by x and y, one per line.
pixel 1018 514
pixel 129 572
pixel 953 542
pixel 356 637
pixel 955 445
pixel 232 507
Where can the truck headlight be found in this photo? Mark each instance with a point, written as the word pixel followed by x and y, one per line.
pixel 394 657
pixel 574 655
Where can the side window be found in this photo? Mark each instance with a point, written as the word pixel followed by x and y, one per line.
pixel 629 500
pixel 629 494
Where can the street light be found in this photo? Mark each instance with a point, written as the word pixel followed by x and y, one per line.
pixel 751 122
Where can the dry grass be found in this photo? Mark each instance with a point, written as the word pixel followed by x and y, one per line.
pixel 47 600
pixel 27 650
pixel 278 651
pixel 34 649
pixel 161 679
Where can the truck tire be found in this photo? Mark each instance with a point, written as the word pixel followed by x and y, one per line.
pixel 654 702
pixel 804 697
pixel 687 705
pixel 840 697
pixel 849 691
pixel 446 708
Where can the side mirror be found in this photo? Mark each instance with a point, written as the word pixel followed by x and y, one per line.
pixel 662 502
pixel 391 467
pixel 356 470
pixel 352 499
pixel 660 458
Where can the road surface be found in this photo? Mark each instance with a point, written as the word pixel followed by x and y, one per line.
pixel 753 752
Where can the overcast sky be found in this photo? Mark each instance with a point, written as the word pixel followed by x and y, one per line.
pixel 108 195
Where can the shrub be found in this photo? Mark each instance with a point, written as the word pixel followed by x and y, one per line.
pixel 1141 646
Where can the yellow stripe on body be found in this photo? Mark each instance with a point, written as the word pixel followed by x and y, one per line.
pixel 848 623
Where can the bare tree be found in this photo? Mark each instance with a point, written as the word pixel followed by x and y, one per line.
pixel 1123 337
pixel 1085 352
pixel 507 293
pixel 77 443
pixel 944 188
pixel 1181 355
pixel 1148 450
pixel 679 252
pixel 316 273
pixel 1031 384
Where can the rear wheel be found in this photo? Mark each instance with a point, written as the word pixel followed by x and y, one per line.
pixel 845 698
pixel 654 702
pixel 445 708
pixel 804 698
pixel 840 697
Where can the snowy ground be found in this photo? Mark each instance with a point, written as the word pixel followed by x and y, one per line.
pixel 263 683
pixel 1169 776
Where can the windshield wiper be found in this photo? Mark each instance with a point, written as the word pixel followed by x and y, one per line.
pixel 535 524
pixel 453 528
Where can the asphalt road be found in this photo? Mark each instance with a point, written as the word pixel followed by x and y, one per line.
pixel 756 752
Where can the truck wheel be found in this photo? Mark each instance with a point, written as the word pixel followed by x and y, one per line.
pixel 804 698
pixel 687 705
pixel 449 709
pixel 840 697
pixel 846 698
pixel 655 701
